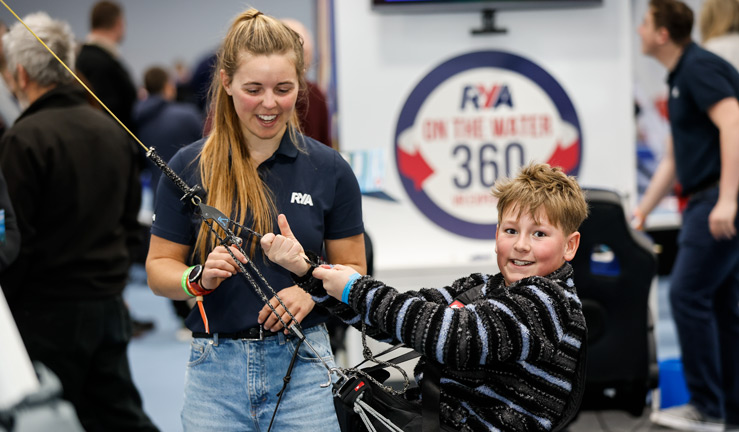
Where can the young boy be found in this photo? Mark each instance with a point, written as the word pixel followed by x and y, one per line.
pixel 524 331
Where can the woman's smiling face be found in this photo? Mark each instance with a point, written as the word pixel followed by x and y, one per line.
pixel 264 90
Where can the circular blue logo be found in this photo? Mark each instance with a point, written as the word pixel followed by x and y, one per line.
pixel 472 120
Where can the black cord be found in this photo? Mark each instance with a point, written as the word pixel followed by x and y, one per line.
pixel 285 382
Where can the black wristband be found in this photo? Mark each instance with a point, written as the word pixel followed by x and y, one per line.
pixel 314 262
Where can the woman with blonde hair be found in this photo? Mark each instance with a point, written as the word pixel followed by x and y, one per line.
pixel 719 27
pixel 255 164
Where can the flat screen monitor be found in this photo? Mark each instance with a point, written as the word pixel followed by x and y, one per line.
pixel 424 6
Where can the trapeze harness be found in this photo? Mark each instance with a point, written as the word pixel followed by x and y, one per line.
pixel 352 388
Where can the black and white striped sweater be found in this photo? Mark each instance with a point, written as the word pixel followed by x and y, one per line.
pixel 526 339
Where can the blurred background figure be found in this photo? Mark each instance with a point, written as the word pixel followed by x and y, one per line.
pixel 9 108
pixel 167 125
pixel 183 78
pixel 10 236
pixel 162 122
pixel 201 78
pixel 312 107
pixel 99 60
pixel 719 28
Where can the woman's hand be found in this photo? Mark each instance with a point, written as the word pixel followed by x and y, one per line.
pixel 334 278
pixel 219 266
pixel 284 249
pixel 297 301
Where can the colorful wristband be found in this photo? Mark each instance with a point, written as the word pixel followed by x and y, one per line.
pixel 184 281
pixel 197 290
pixel 348 287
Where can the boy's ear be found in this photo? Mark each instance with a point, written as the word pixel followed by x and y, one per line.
pixel 571 245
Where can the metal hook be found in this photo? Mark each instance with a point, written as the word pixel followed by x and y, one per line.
pixel 338 371
pixel 325 385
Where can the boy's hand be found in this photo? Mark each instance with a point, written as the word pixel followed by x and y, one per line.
pixel 284 249
pixel 334 278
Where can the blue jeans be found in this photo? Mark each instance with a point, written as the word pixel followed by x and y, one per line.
pixel 232 385
pixel 704 295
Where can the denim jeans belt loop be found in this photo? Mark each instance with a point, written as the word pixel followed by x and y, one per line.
pixel 253 334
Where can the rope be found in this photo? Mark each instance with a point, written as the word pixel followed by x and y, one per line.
pixel 367 352
pixel 363 406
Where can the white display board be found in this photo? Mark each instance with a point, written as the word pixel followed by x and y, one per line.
pixel 17 377
pixel 387 63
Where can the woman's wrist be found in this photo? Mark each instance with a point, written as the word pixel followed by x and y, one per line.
pixel 308 274
pixel 191 282
pixel 307 268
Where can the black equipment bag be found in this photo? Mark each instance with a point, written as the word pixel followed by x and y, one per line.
pixel 404 414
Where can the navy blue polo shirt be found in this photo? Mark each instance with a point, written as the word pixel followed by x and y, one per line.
pixel 314 187
pixel 699 80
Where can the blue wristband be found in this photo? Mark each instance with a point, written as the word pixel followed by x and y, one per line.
pixel 348 287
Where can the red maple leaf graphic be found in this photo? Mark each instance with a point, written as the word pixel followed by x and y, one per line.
pixel 414 167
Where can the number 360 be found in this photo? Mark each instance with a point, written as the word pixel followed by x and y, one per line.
pixel 484 164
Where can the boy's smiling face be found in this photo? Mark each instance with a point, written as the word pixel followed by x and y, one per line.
pixel 527 248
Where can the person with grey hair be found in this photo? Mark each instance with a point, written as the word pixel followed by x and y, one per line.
pixel 72 175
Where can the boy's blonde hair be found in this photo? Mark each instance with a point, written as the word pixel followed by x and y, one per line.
pixel 540 185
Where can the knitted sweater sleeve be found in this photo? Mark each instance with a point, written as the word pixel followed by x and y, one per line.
pixel 524 321
pixel 349 313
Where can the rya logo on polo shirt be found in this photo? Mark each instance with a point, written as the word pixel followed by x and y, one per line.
pixel 301 198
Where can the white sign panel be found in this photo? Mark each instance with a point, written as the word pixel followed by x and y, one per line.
pixel 449 112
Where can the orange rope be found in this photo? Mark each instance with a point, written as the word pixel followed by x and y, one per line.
pixel 202 310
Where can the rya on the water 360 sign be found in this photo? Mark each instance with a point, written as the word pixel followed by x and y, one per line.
pixel 473 119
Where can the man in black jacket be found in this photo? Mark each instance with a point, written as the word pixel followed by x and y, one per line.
pixel 72 176
pixel 100 64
